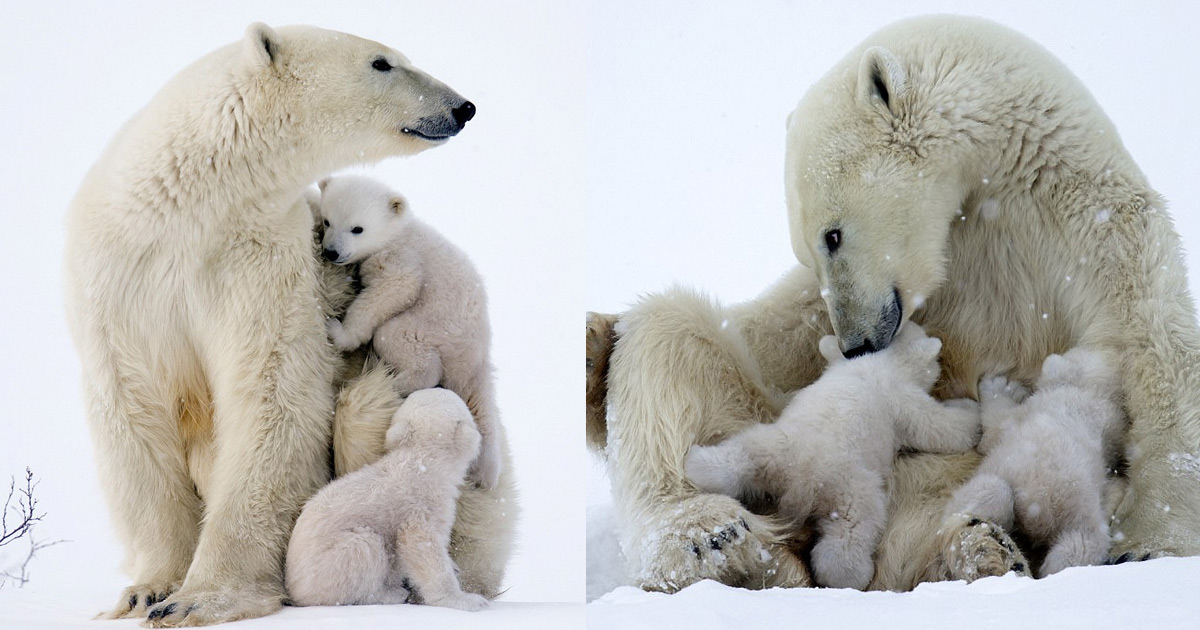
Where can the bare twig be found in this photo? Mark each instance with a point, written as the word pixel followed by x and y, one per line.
pixel 26 515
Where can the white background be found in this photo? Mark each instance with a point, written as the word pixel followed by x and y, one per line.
pixel 507 190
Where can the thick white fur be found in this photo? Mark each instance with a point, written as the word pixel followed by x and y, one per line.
pixel 422 307
pixel 989 179
pixel 192 292
pixel 829 456
pixel 381 534
pixel 1047 458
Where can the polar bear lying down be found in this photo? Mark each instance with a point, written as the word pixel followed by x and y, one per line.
pixel 380 534
pixel 829 456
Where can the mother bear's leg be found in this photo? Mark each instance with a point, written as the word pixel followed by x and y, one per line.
pixel 681 373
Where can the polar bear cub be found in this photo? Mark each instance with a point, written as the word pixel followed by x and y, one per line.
pixel 829 456
pixel 422 305
pixel 381 534
pixel 1047 458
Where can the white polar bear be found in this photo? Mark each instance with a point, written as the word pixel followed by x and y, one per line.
pixel 422 305
pixel 1047 458
pixel 946 170
pixel 829 456
pixel 192 293
pixel 381 534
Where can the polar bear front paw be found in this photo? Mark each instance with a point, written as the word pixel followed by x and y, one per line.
pixel 137 599
pixel 713 537
pixel 994 387
pixel 341 339
pixel 205 608
pixel 469 602
pixel 973 548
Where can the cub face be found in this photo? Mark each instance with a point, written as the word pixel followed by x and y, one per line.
pixel 359 217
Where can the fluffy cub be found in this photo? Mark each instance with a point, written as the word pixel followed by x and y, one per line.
pixel 830 454
pixel 422 305
pixel 1047 458
pixel 380 535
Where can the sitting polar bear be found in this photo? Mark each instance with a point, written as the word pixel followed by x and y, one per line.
pixel 829 456
pixel 947 170
pixel 422 305
pixel 1046 459
pixel 194 302
pixel 380 535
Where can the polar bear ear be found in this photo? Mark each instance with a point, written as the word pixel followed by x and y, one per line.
pixel 261 45
pixel 881 79
pixel 830 350
pixel 398 204
pixel 323 183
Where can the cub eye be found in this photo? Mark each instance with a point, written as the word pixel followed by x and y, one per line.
pixel 326 222
pixel 381 64
pixel 356 230
pixel 833 240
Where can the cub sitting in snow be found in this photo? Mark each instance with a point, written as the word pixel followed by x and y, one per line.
pixel 829 456
pixel 422 305
pixel 381 534
pixel 1047 458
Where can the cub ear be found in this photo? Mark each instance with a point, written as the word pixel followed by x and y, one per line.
pixel 881 79
pixel 928 348
pixel 323 183
pixel 830 350
pixel 398 204
pixel 261 45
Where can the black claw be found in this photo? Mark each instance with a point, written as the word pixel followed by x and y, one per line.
pixel 973 522
pixel 1123 558
pixel 159 613
pixel 189 610
pixel 1019 567
pixel 746 526
pixel 715 544
pixel 696 549
pixel 133 601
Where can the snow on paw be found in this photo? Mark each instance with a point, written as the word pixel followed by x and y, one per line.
pixel 205 608
pixel 974 548
pixel 136 600
pixel 714 537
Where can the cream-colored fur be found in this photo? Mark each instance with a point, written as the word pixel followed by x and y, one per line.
pixel 829 456
pixel 192 294
pixel 976 188
pixel 1047 458
pixel 381 534
pixel 422 307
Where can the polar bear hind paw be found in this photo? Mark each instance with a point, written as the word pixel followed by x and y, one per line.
pixel 978 548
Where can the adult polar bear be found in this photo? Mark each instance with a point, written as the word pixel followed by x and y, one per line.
pixel 949 171
pixel 193 295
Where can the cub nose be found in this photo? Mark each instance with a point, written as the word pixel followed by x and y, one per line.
pixel 330 254
pixel 463 113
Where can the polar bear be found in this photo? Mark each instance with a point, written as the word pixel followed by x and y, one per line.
pixel 381 534
pixel 945 172
pixel 192 294
pixel 422 305
pixel 1047 458
pixel 829 456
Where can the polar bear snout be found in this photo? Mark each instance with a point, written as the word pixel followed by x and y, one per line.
pixel 442 127
pixel 861 335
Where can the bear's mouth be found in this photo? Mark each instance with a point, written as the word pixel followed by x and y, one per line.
pixel 432 137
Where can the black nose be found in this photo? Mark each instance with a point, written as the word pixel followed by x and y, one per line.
pixel 330 254
pixel 463 113
pixel 866 348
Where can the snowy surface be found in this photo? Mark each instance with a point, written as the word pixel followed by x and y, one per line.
pixel 507 190
pixel 684 182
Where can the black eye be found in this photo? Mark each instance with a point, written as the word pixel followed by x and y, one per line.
pixel 833 240
pixel 356 230
pixel 326 222
pixel 381 64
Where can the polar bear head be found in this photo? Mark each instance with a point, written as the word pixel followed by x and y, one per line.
pixel 435 425
pixel 877 167
pixel 354 99
pixel 359 216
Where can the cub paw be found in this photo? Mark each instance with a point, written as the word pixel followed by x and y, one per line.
pixel 993 387
pixel 469 602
